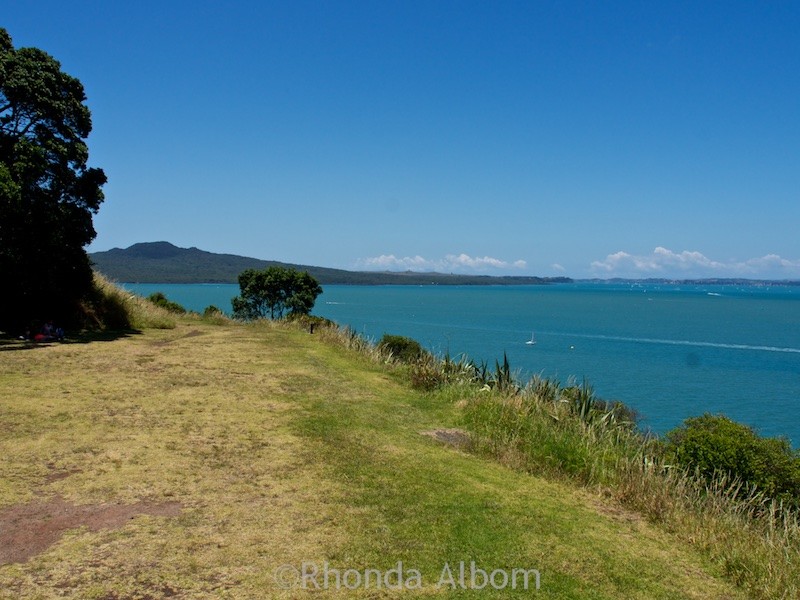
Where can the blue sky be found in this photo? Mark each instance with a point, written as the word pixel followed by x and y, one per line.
pixel 545 138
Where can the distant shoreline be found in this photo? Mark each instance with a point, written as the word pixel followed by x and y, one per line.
pixel 701 281
pixel 162 262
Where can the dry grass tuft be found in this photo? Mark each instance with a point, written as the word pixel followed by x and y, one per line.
pixel 116 309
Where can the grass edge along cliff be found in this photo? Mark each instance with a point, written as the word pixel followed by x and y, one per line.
pixel 361 425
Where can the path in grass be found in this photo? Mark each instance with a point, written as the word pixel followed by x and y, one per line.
pixel 280 449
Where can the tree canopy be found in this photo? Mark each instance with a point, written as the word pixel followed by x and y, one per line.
pixel 48 193
pixel 275 292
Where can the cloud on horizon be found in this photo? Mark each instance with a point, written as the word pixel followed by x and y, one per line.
pixel 666 263
pixel 452 263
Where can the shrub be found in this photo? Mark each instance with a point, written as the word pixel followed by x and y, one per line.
pixel 214 316
pixel 159 299
pixel 713 445
pixel 211 311
pixel 310 322
pixel 402 348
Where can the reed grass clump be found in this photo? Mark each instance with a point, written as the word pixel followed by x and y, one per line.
pixel 350 339
pixel 553 430
pixel 110 308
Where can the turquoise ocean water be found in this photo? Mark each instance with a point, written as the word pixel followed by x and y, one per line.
pixel 669 351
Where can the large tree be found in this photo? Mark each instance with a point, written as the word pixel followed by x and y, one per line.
pixel 48 193
pixel 275 292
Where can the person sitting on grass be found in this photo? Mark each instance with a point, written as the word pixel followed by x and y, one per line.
pixel 49 333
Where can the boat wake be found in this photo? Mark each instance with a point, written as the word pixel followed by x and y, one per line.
pixel 617 338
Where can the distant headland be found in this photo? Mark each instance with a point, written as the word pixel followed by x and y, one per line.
pixel 163 262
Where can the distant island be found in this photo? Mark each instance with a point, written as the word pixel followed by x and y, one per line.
pixel 163 262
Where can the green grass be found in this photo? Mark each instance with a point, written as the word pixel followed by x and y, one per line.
pixel 282 448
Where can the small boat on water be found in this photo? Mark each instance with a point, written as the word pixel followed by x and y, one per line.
pixel 531 341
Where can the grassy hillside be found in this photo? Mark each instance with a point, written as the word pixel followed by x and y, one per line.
pixel 233 450
pixel 161 262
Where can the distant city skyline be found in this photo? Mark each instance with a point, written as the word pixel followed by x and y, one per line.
pixel 543 138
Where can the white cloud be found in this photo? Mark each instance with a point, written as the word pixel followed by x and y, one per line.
pixel 390 261
pixel 666 263
pixel 558 267
pixel 770 261
pixel 451 263
pixel 464 260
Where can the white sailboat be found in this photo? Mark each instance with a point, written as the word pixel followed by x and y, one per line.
pixel 531 341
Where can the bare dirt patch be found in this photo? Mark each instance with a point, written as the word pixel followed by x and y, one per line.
pixel 59 474
pixel 606 505
pixel 28 529
pixel 458 438
pixel 190 334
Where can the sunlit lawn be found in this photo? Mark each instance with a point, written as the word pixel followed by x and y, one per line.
pixel 284 450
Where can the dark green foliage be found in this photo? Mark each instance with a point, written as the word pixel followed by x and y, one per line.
pixel 159 299
pixel 212 314
pixel 503 378
pixel 482 372
pixel 48 194
pixel 582 401
pixel 590 409
pixel 713 444
pixel 275 292
pixel 211 311
pixel 310 322
pixel 402 348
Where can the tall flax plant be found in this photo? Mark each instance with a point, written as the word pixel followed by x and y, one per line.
pixel 481 373
pixel 584 402
pixel 503 378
